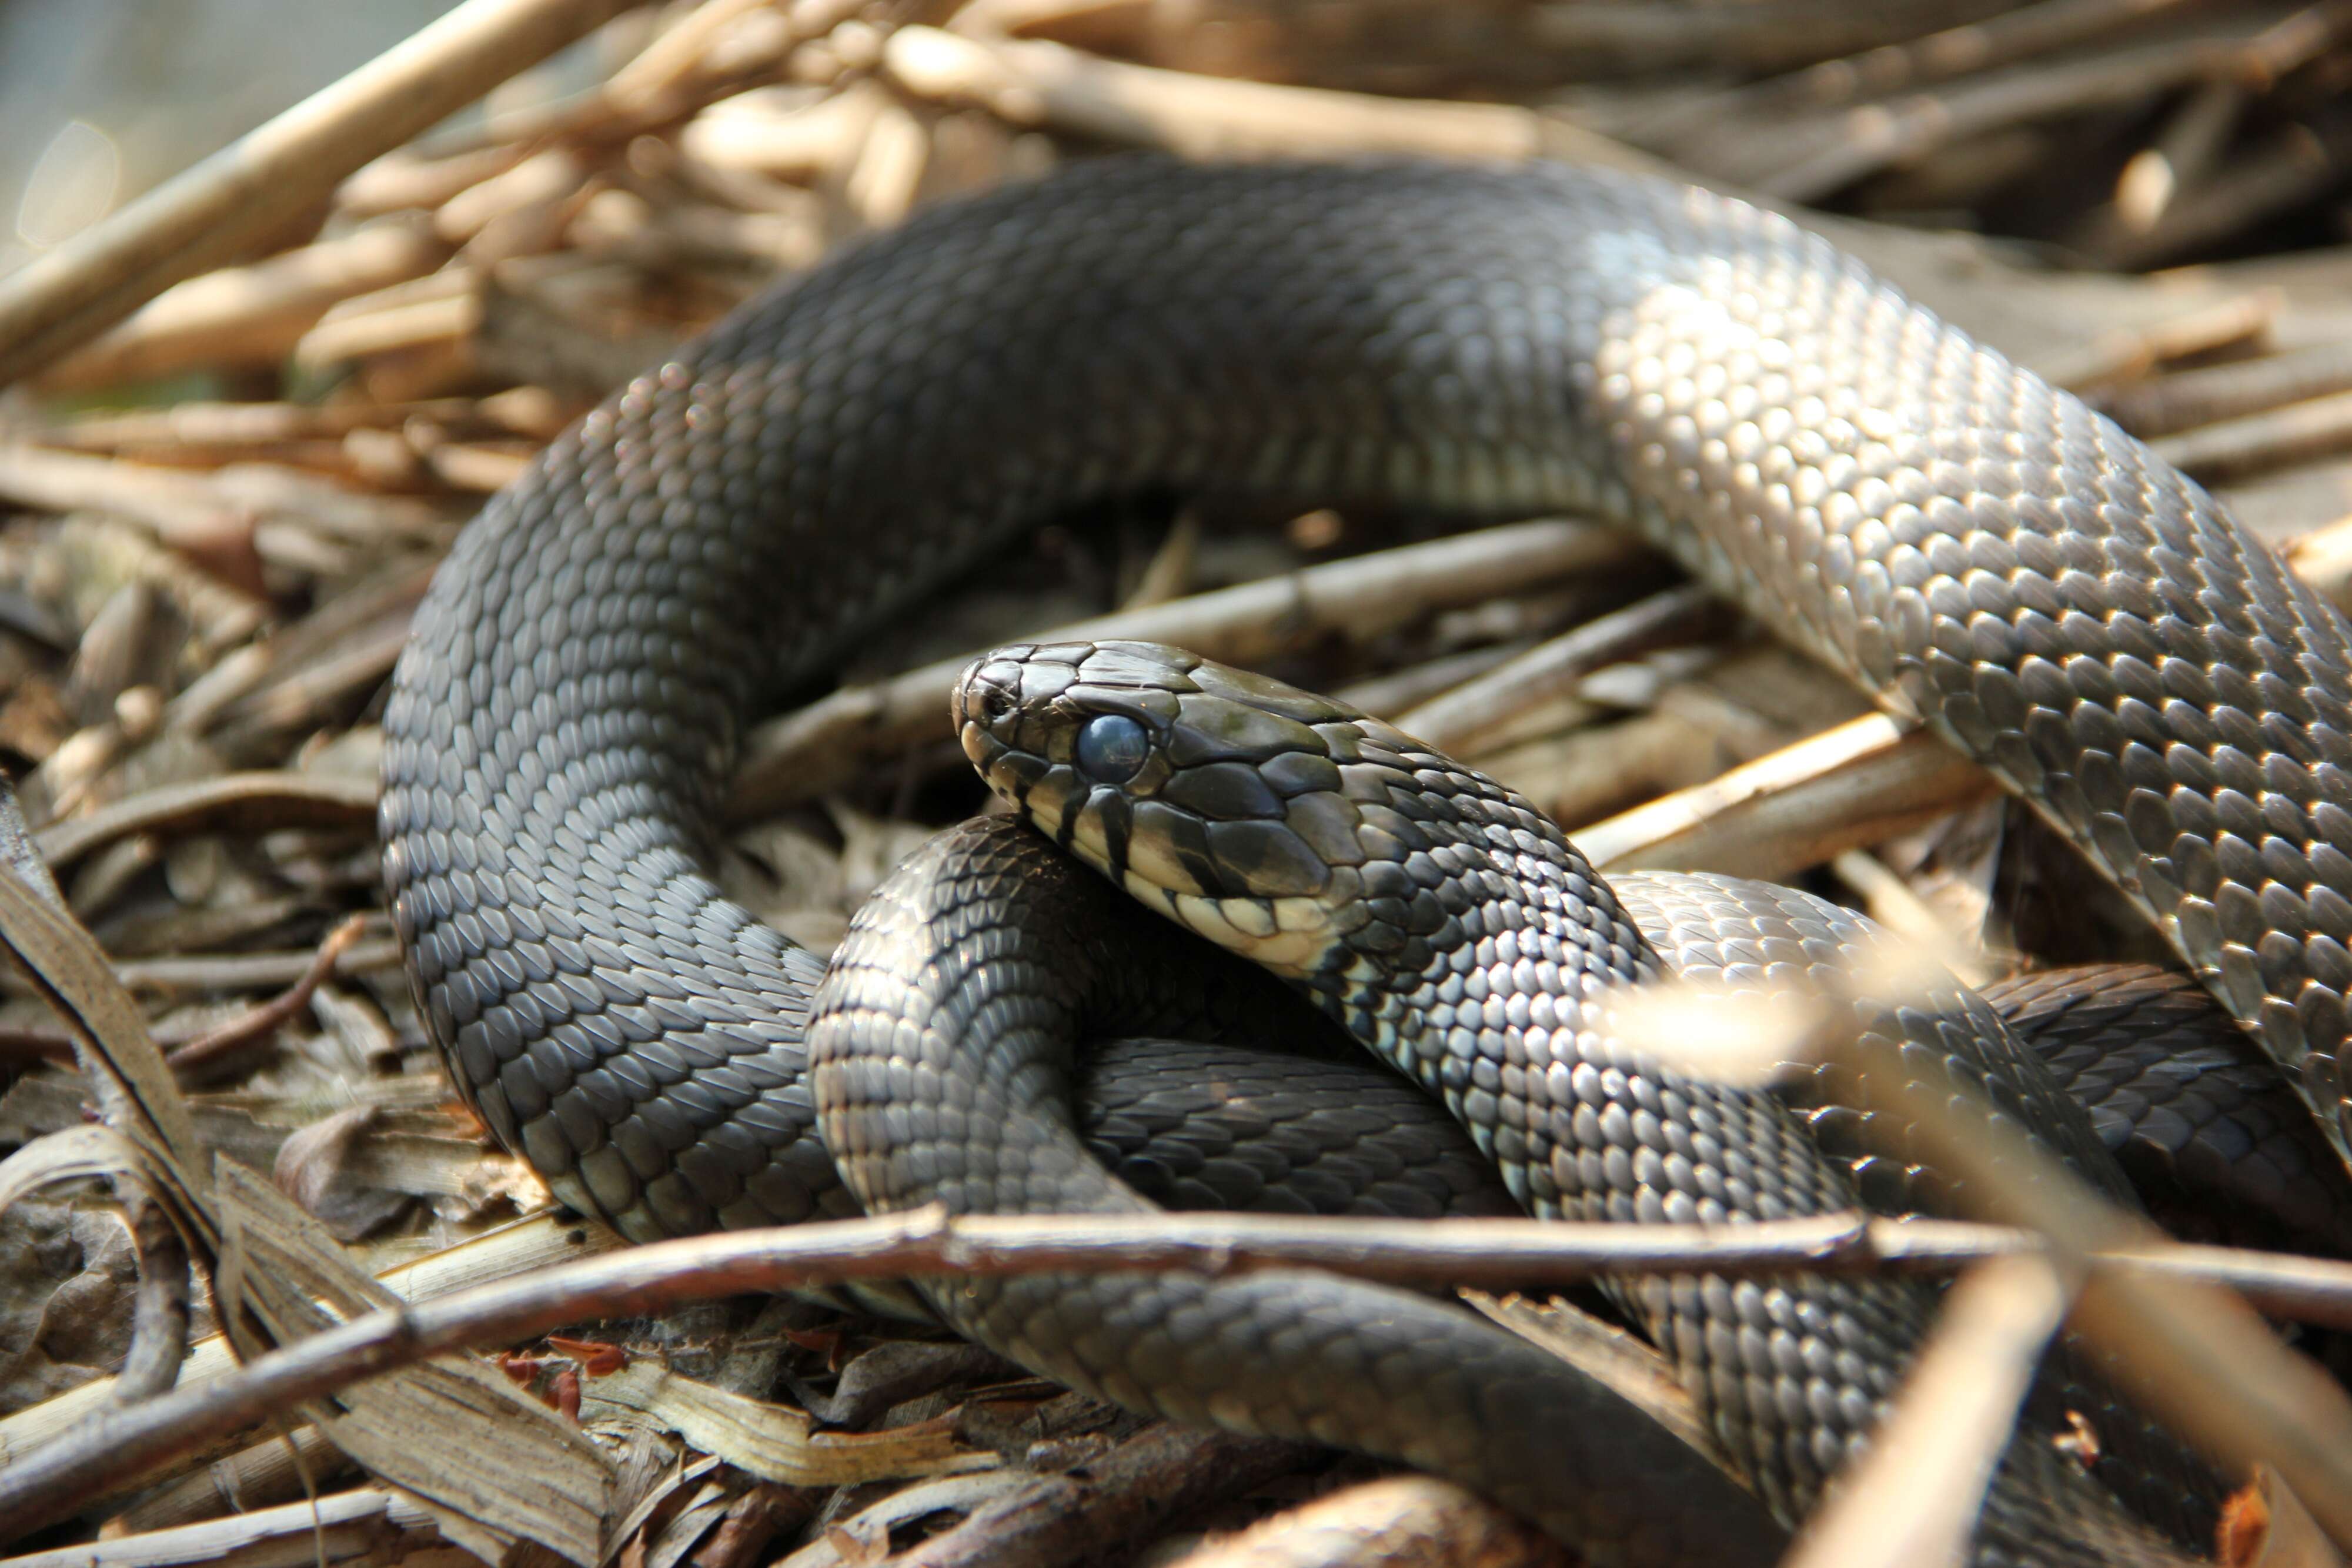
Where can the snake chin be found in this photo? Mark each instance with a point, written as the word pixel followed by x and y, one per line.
pixel 1291 936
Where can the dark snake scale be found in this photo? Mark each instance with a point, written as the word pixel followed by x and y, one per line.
pixel 1977 549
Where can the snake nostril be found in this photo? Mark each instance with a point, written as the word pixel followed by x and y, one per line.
pixel 986 697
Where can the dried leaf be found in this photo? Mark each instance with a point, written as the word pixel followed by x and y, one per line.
pixel 773 1442
pixel 67 1280
pixel 68 1155
pixel 126 1072
pixel 454 1432
pixel 451 1431
pixel 316 1167
pixel 2266 1526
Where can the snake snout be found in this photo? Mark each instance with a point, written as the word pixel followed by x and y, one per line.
pixel 1211 793
pixel 987 694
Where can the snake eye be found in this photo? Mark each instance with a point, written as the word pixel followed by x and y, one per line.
pixel 1112 748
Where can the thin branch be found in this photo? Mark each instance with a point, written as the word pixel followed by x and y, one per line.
pixel 249 971
pixel 1463 720
pixel 264 800
pixel 53 1481
pixel 266 1019
pixel 1032 82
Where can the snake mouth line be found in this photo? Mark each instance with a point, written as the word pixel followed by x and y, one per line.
pixel 1444 923
pixel 1211 800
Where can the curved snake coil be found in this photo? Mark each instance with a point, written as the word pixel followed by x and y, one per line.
pixel 1973 547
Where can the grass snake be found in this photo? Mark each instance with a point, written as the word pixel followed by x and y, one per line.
pixel 1974 547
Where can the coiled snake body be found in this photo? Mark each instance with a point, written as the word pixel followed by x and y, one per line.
pixel 1974 547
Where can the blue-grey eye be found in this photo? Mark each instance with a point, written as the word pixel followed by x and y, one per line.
pixel 1112 748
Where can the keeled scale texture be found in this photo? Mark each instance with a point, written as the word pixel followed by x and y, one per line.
pixel 1758 942
pixel 1453 930
pixel 942 1059
pixel 1196 1125
pixel 2214 1142
pixel 1974 545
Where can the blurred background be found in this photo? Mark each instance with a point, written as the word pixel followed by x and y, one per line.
pixel 2118 132
pixel 101 99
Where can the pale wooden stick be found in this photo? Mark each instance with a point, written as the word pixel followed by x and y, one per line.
pixel 1402 1521
pixel 183 509
pixel 249 315
pixel 350 1528
pixel 1036 83
pixel 1857 784
pixel 200 218
pixel 805 754
pixel 1913 1496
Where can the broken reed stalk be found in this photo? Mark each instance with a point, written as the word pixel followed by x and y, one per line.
pixel 1914 1494
pixel 1463 718
pixel 2193 1356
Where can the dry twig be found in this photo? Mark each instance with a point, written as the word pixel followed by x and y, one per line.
pixel 53 1481
pixel 260 1022
pixel 823 746
pixel 590 232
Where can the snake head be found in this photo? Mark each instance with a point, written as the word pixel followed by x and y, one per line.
pixel 1264 817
